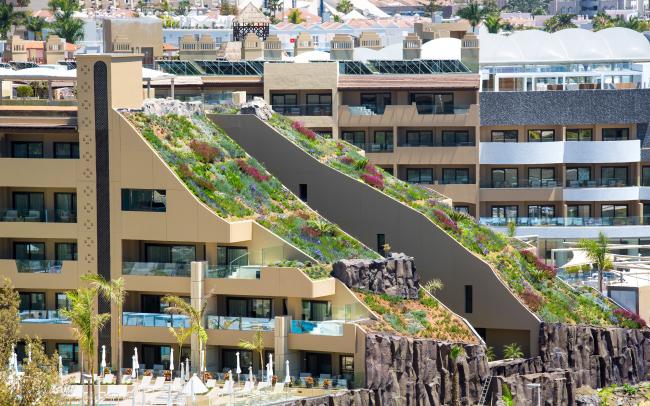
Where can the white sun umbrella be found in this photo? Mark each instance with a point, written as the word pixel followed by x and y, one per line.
pixel 230 376
pixel 103 364
pixel 287 376
pixel 238 369
pixel 187 369
pixel 194 386
pixel 171 361
pixel 136 364
pixel 60 367
pixel 250 374
pixel 202 363
pixel 270 367
pixel 182 371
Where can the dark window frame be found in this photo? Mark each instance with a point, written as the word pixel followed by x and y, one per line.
pixel 425 138
pixel 128 201
pixel 621 134
pixel 420 177
pixel 506 134
pixel 541 135
pixel 494 184
pixel 27 143
pixel 74 150
pixel 456 177
pixel 455 135
pixel 579 134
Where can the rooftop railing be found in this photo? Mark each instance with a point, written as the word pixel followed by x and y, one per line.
pixel 234 271
pixel 156 269
pixel 560 221
pixel 303 109
pixel 155 320
pixel 366 110
pixel 38 266
pixel 38 216
pixel 320 328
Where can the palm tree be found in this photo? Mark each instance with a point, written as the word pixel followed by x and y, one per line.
pixel 344 6
pixel 597 253
pixel 472 13
pixel 181 334
pixel 113 291
pixel 255 345
pixel 455 354
pixel 8 18
pixel 493 23
pixel 559 22
pixel 65 24
pixel 179 305
pixel 36 25
pixel 85 323
pixel 601 21
pixel 295 16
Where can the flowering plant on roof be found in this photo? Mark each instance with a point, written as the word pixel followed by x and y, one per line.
pixel 252 171
pixel 300 127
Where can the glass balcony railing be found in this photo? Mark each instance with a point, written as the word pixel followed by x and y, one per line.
pixel 155 320
pixel 234 271
pixel 240 323
pixel 155 269
pixel 303 109
pixel 36 266
pixel 368 110
pixel 38 216
pixel 561 221
pixel 42 317
pixel 598 183
pixel 522 183
pixel 378 147
pixel 320 328
pixel 437 144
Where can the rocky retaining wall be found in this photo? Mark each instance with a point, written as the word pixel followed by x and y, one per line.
pixel 395 275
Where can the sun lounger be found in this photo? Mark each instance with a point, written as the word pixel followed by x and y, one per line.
pixel 73 392
pixel 159 384
pixel 116 392
pixel 108 379
pixel 211 383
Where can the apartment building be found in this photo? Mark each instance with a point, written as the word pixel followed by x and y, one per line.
pixel 82 191
pixel 134 35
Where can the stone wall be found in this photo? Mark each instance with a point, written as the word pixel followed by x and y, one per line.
pixel 394 275
pixel 412 371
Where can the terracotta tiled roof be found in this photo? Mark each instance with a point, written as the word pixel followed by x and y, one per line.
pixel 445 81
pixel 169 47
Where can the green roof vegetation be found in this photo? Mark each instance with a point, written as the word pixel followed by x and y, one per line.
pixel 424 318
pixel 236 186
pixel 527 276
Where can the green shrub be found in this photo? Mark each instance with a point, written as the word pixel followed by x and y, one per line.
pixel 512 351
pixel 24 91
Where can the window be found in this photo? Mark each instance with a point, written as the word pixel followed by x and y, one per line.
pixel 383 141
pixel 316 310
pixel 645 176
pixel 419 175
pixel 29 251
pixel 541 211
pixel 376 102
pixel 144 200
pixel 69 353
pixel 170 254
pixel 347 364
pixel 579 211
pixel 66 150
pixel 616 212
pixel 419 138
pixel 319 104
pixel 381 243
pixel 29 205
pixel 290 99
pixel 578 177
pixel 455 176
pixel 65 251
pixel 249 307
pixel 32 301
pixel 433 103
pixel 65 207
pixel 504 136
pixel 616 134
pixel 62 301
pixel 388 170
pixel 613 175
pixel 579 134
pixel 541 177
pixel 504 177
pixel 455 138
pixel 462 209
pixel 469 299
pixel 507 212
pixel 232 256
pixel 302 191
pixel 319 363
pixel 229 358
pixel 356 138
pixel 541 135
pixel 26 149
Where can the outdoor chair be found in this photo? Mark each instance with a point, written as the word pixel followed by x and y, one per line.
pixel 108 379
pixel 33 216
pixel 116 392
pixel 10 215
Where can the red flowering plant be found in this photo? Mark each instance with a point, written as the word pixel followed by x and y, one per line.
pixel 299 126
pixel 207 152
pixel 531 297
pixel 629 319
pixel 446 221
pixel 252 171
pixel 347 160
pixel 545 271
pixel 373 180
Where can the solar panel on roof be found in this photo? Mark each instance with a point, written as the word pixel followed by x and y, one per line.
pixel 232 68
pixel 411 67
pixel 179 68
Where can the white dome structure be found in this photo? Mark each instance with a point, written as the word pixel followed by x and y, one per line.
pixel 312 56
pixel 441 48
pixel 565 46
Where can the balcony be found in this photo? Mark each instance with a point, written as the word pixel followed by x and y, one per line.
pixel 521 183
pixel 156 269
pixel 561 221
pixel 573 227
pixel 46 274
pixel 234 271
pixel 240 323
pixel 408 116
pixel 43 317
pixel 132 319
pixel 36 266
pixel 606 193
pixel 598 183
pixel 319 328
pixel 303 109
pixel 38 216
pixel 521 190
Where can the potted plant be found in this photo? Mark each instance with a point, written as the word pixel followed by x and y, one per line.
pixel 167 374
pixel 148 372
pixel 128 371
pixel 326 384
pixel 309 382
pixel 207 375
pixel 274 380
pixel 107 370
pixel 226 376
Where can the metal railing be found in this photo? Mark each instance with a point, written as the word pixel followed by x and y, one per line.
pixel 156 269
pixel 366 110
pixel 38 266
pixel 42 317
pixel 303 109
pixel 155 320
pixel 36 102
pixel 38 216
pixel 241 323
pixel 560 221
pixel 234 271
pixel 438 144
pixel 321 328
pixel 598 183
